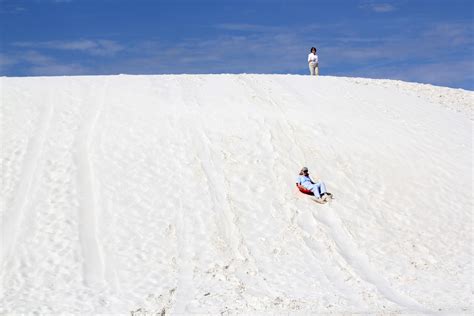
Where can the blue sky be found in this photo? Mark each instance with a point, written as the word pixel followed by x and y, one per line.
pixel 430 41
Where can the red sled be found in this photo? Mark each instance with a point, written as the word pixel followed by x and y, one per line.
pixel 304 190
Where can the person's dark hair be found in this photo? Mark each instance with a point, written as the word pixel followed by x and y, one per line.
pixel 303 170
pixel 311 50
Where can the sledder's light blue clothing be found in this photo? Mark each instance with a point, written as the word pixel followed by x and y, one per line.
pixel 318 188
pixel 304 180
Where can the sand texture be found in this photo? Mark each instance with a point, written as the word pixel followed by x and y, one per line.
pixel 176 194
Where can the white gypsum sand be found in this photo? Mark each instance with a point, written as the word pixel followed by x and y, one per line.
pixel 177 194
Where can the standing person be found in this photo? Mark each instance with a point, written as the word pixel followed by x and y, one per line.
pixel 313 62
pixel 317 188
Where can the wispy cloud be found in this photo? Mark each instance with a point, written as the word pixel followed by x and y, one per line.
pixel 6 61
pixel 225 53
pixel 60 70
pixel 383 7
pixel 438 73
pixel 37 63
pixel 451 34
pixel 54 1
pixel 20 6
pixel 92 47
pixel 7 7
pixel 430 43
pixel 377 6
pixel 45 65
pixel 35 58
pixel 244 27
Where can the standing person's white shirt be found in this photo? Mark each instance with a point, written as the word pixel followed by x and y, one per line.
pixel 313 62
pixel 312 58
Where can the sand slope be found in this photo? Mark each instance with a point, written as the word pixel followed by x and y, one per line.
pixel 176 194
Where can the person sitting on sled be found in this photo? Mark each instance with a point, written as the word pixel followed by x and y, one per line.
pixel 317 188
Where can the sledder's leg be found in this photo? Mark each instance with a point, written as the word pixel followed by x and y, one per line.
pixel 314 188
pixel 322 187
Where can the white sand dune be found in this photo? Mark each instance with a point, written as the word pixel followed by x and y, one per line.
pixel 177 194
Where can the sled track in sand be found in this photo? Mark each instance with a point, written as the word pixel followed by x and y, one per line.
pixel 11 223
pixel 89 210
